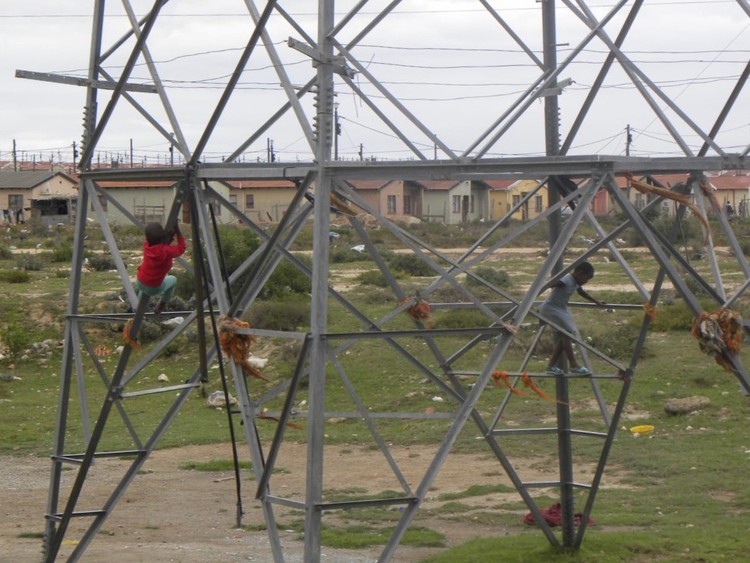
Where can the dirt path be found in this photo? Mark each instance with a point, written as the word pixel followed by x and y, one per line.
pixel 172 514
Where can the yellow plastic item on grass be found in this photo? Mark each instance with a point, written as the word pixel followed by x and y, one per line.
pixel 642 429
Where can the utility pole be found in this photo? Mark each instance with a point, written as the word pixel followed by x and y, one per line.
pixel 270 155
pixel 361 152
pixel 628 139
pixel 15 157
pixel 131 153
pixel 336 132
pixel 552 137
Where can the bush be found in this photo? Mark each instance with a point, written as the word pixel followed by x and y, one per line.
pixel 127 236
pixel 461 318
pixel 673 317
pixel 62 253
pixel 15 276
pixel 185 287
pixel 498 278
pixel 372 277
pixel 16 336
pixel 286 279
pixel 343 255
pixel 30 262
pixel 288 314
pixel 101 262
pixel 411 264
pixel 618 342
pixel 5 253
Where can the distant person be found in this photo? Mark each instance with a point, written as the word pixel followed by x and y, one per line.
pixel 555 308
pixel 158 256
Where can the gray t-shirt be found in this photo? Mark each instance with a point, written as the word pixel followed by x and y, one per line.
pixel 555 307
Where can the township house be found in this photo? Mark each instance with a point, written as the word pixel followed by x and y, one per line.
pixel 43 196
pixel 731 192
pixel 445 201
pixel 263 201
pixel 49 197
pixel 504 195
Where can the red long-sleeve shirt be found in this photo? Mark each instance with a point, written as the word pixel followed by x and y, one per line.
pixel 157 261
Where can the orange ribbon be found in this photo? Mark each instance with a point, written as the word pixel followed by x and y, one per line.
pixel 528 383
pixel 264 416
pixel 503 375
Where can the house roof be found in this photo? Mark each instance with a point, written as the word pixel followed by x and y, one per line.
pixel 439 185
pixel 499 183
pixel 25 180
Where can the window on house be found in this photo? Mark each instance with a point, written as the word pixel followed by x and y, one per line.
pixel 407 205
pixel 391 202
pixel 15 202
pixel 249 201
pixel 639 201
pixel 456 204
pixel 516 199
pixel 538 202
pixel 233 199
pixel 471 203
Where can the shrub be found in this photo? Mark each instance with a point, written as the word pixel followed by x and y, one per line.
pixel 16 276
pixel 617 342
pixel 5 253
pixel 498 278
pixel 62 253
pixel 343 255
pixel 16 336
pixel 673 317
pixel 461 318
pixel 127 237
pixel 411 264
pixel 288 314
pixel 30 262
pixel 101 262
pixel 185 287
pixel 372 277
pixel 286 279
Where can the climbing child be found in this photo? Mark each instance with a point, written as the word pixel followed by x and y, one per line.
pixel 555 308
pixel 158 255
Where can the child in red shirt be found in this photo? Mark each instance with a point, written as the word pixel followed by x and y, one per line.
pixel 158 256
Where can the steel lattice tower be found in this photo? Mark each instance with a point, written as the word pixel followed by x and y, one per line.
pixel 331 41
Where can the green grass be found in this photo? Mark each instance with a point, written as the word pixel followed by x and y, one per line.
pixel 476 490
pixel 214 465
pixel 677 495
pixel 358 537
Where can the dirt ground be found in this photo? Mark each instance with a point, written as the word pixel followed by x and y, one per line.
pixel 173 514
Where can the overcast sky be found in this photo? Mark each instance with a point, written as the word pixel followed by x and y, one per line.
pixel 448 62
